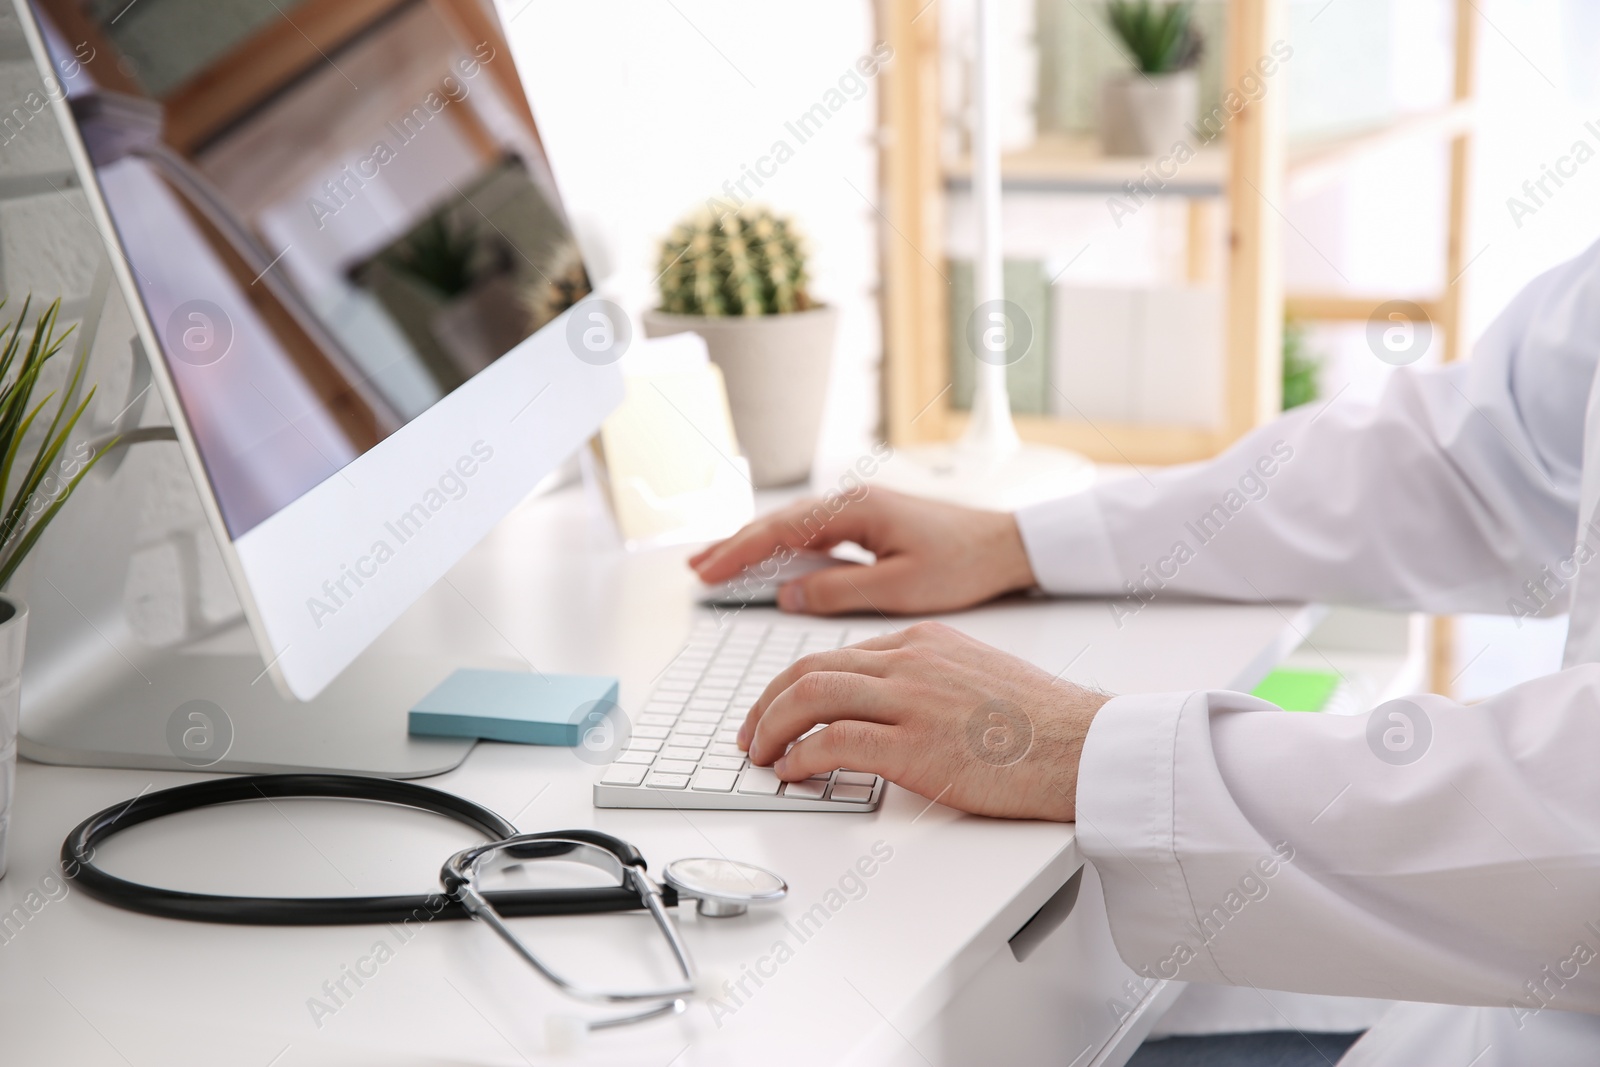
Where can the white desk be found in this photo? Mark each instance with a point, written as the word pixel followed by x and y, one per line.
pixel 919 955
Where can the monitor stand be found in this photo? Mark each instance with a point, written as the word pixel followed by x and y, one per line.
pixel 138 655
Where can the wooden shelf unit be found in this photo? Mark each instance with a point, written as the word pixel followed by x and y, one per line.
pixel 1252 170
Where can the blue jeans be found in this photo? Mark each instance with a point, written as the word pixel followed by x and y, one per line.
pixel 1275 1048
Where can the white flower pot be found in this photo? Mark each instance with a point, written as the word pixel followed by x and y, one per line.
pixel 776 368
pixel 13 635
pixel 1144 114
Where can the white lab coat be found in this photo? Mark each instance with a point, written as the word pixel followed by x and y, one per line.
pixel 1454 858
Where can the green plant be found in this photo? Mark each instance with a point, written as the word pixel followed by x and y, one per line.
pixel 1301 369
pixel 440 256
pixel 42 491
pixel 1161 38
pixel 562 282
pixel 747 262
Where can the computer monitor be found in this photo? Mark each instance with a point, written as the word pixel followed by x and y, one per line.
pixel 351 272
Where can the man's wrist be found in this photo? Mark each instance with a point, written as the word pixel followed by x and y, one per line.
pixel 1077 715
pixel 1017 573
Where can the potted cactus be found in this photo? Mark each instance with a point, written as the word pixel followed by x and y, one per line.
pixel 738 279
pixel 1143 111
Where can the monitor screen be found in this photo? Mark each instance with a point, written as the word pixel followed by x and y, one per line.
pixel 334 215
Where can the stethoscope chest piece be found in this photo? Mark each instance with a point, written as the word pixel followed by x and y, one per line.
pixel 724 888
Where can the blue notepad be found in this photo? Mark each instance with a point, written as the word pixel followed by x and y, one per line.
pixel 530 709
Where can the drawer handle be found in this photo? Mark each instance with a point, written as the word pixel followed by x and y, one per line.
pixel 1050 915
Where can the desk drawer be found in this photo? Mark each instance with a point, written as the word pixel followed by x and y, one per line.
pixel 1069 1001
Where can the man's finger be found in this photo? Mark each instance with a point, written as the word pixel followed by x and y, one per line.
pixel 854 660
pixel 882 643
pixel 848 743
pixel 806 524
pixel 875 589
pixel 816 699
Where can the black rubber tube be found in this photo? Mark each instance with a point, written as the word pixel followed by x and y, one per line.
pixel 77 858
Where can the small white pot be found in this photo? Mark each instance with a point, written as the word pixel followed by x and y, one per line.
pixel 1144 114
pixel 776 368
pixel 13 636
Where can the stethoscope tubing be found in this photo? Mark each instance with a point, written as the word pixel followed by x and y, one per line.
pixel 77 859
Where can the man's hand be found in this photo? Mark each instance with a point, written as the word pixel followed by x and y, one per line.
pixel 930 557
pixel 935 711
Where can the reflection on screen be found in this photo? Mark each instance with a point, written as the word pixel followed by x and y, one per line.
pixel 328 236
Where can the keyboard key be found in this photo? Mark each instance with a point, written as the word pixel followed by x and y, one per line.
pixel 759 781
pixel 696 728
pixel 722 763
pixel 667 781
pixel 728 737
pixel 650 731
pixel 688 740
pixel 714 781
pixel 857 778
pixel 678 752
pixel 674 766
pixel 710 693
pixel 623 774
pixel 720 749
pixel 810 789
pixel 631 756
pixel 643 744
pixel 656 719
pixel 664 707
pixel 702 716
pixel 856 794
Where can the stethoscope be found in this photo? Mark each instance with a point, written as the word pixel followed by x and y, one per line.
pixel 721 887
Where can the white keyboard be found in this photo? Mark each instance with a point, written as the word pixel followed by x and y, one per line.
pixel 681 752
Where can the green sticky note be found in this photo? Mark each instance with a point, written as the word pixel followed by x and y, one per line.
pixel 1296 690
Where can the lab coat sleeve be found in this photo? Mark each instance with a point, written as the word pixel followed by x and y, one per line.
pixel 1440 853
pixel 1449 493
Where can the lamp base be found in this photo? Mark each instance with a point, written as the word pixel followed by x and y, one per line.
pixel 1031 474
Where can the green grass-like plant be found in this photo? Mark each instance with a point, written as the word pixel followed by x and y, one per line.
pixel 439 255
pixel 1301 368
pixel 31 505
pixel 1160 38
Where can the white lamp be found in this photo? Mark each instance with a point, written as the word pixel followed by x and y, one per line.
pixel 989 467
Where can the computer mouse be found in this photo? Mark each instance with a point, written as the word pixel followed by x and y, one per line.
pixel 758 584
